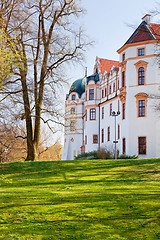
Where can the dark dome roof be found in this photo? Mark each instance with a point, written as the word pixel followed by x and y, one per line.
pixel 78 86
pixel 94 77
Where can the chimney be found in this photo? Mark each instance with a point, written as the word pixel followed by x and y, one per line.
pixel 146 18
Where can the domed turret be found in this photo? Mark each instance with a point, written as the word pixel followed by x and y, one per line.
pixel 78 86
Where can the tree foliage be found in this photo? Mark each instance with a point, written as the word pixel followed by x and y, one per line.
pixel 6 57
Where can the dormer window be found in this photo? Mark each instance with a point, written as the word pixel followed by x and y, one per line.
pixel 73 97
pixel 141 52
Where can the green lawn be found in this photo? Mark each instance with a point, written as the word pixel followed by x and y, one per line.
pixel 88 199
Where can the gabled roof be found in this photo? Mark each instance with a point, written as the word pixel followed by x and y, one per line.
pixel 106 65
pixel 144 32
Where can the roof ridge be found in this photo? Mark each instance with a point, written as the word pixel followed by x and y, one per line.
pixel 155 23
pixel 150 31
pixel 109 59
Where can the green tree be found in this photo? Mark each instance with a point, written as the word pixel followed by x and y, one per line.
pixel 6 58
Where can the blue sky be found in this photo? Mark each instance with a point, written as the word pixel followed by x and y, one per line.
pixel 106 22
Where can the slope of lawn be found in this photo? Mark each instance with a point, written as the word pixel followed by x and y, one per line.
pixel 87 199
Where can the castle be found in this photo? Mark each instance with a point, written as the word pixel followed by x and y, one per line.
pixel 116 107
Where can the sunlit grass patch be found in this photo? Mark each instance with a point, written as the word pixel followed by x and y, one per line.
pixel 89 199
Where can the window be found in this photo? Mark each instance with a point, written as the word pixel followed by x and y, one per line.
pixel 110 111
pixel 105 92
pixel 102 112
pixel 123 57
pixel 141 76
pixel 141 68
pixel 102 135
pixel 108 134
pixel 85 139
pixel 123 145
pixel 123 79
pixel 118 84
pixel 118 131
pixel 102 93
pixel 141 108
pixel 140 51
pixel 72 110
pixel 72 125
pixel 114 87
pixel 141 103
pixel 118 106
pixel 92 114
pixel 73 97
pixel 123 110
pixel 110 89
pixel 142 145
pixel 95 139
pixel 91 94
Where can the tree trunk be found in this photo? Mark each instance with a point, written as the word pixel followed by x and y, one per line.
pixel 39 100
pixel 38 115
pixel 31 154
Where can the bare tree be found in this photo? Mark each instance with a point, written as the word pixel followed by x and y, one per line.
pixel 12 148
pixel 44 36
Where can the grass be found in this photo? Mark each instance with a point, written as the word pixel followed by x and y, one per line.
pixel 89 199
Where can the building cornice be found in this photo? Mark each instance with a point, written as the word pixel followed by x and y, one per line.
pixel 127 45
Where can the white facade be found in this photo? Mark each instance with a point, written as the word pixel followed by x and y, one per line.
pixel 131 87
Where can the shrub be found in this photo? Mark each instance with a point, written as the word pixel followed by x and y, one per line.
pixel 124 156
pixel 102 153
pixel 87 155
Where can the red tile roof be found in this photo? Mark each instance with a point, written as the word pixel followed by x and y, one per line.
pixel 141 35
pixel 106 65
pixel 155 29
pixel 145 32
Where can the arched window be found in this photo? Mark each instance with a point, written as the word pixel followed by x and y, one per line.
pixel 141 76
pixel 73 97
